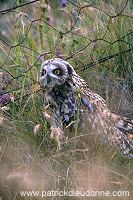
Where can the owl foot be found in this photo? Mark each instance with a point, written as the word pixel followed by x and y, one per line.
pixel 57 134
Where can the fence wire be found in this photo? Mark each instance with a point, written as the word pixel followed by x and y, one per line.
pixel 95 37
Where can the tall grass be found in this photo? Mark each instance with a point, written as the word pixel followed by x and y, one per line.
pixel 32 34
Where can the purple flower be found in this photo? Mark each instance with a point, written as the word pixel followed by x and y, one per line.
pixel 94 44
pixel 4 99
pixel 4 79
pixel 93 31
pixel 1 90
pixel 3 87
pixel 63 3
pixel 34 32
pixel 3 76
pixel 51 21
pixel 41 57
pixel 59 51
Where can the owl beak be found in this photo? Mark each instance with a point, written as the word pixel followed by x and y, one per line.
pixel 48 78
pixel 44 82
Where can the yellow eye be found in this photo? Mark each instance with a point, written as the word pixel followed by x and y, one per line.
pixel 57 71
pixel 43 72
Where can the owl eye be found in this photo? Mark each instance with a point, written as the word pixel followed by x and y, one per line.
pixel 56 71
pixel 43 72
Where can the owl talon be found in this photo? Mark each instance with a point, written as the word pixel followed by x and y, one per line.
pixel 57 134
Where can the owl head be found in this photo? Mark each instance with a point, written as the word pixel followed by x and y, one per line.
pixel 55 72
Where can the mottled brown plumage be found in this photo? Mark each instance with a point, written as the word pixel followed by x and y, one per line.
pixel 71 105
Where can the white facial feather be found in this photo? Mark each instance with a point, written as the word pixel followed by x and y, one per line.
pixel 49 78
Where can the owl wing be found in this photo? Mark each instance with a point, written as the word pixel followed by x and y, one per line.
pixel 114 129
pixel 123 123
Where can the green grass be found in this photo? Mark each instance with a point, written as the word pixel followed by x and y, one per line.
pixel 29 160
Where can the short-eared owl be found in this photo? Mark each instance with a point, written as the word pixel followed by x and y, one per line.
pixel 72 106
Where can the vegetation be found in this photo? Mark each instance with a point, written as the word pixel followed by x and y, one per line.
pixel 97 39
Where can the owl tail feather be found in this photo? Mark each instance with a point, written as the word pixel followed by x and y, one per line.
pixel 125 125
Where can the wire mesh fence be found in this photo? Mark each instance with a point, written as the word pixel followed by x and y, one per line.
pixel 96 38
